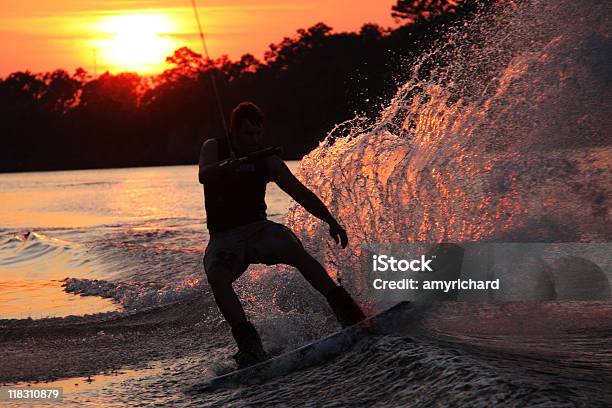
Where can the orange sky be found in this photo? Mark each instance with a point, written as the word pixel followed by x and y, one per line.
pixel 42 35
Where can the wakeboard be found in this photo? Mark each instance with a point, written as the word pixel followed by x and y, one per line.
pixel 391 320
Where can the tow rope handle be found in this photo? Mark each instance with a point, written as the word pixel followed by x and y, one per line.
pixel 268 151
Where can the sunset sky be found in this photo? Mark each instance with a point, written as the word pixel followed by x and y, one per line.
pixel 135 35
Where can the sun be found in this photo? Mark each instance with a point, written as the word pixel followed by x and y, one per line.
pixel 135 42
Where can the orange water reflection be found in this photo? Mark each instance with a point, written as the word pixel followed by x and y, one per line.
pixel 38 299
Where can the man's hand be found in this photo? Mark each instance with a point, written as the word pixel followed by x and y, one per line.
pixel 230 164
pixel 210 168
pixel 338 234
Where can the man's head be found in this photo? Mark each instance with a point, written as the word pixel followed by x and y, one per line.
pixel 246 124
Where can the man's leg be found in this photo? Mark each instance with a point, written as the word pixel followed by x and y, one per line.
pixel 226 298
pixel 346 310
pixel 278 244
pixel 250 349
pixel 312 270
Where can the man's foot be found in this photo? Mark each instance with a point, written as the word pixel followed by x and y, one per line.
pixel 250 349
pixel 346 310
pixel 244 360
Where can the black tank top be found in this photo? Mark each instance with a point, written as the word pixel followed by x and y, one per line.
pixel 232 203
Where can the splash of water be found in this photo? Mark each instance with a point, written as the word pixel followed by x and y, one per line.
pixel 507 140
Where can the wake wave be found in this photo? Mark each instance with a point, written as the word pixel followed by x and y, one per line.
pixel 30 247
pixel 134 295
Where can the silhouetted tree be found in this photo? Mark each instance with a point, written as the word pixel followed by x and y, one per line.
pixel 291 49
pixel 306 84
pixel 61 91
pixel 187 64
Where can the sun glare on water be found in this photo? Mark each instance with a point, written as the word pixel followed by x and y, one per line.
pixel 135 42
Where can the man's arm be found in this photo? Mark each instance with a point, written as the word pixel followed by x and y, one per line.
pixel 208 168
pixel 282 176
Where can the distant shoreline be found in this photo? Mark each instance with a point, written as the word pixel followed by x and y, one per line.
pixel 127 166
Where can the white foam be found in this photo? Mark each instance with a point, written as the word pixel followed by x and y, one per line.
pixel 133 295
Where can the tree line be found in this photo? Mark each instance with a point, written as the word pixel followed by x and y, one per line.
pixel 305 84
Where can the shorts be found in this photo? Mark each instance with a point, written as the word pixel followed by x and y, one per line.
pixel 229 253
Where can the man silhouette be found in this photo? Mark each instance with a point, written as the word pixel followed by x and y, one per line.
pixel 240 233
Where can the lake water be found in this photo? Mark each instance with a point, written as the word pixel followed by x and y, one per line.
pixel 130 225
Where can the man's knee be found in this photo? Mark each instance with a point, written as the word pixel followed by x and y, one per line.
pixel 218 277
pixel 299 257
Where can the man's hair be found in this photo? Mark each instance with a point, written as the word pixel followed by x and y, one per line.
pixel 243 112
